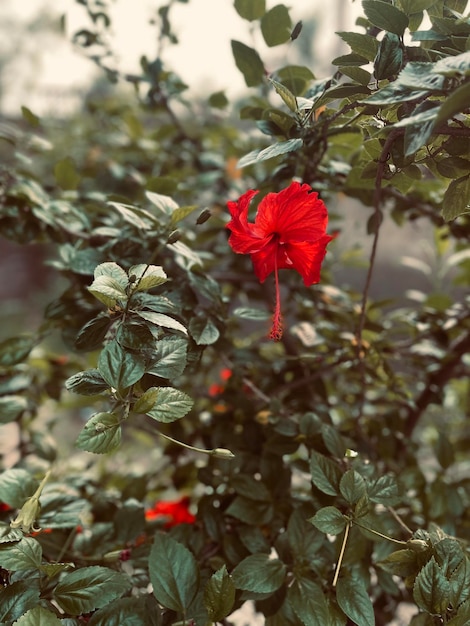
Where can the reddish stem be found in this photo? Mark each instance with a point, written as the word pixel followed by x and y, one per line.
pixel 276 329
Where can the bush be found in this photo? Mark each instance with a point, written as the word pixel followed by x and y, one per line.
pixel 323 476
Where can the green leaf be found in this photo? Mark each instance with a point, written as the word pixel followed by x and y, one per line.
pixel 329 520
pixel 326 474
pixel 122 612
pixel 11 407
pixel 309 602
pixel 431 590
pixel 88 383
pixel 22 555
pixel 203 331
pixel 145 277
pixel 249 63
pixel 219 595
pixel 138 218
pixel 120 368
pixel 389 57
pixel 304 540
pixel 108 291
pixel 251 314
pixel 459 581
pixel 415 6
pixel 363 45
pixel 30 117
pixel 385 16
pixel 352 486
pixel 384 490
pixel 181 212
pixel 39 616
pixel 456 199
pixel 91 336
pixel 250 10
pixel 162 320
pixel 16 486
pixel 17 598
pixel 250 511
pixel 355 602
pixel 270 152
pixel 249 487
pixel 170 405
pixel 165 204
pixel 259 573
pixel 101 434
pixel 463 616
pixel 89 588
pixel 66 174
pixel 456 102
pixel 16 349
pixel 169 358
pixel 287 96
pixel 276 25
pixel 173 573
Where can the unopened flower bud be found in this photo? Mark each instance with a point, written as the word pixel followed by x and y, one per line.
pixel 203 217
pixel 222 453
pixel 173 236
pixel 30 510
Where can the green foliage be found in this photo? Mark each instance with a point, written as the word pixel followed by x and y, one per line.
pixel 322 478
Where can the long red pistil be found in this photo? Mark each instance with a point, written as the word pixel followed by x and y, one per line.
pixel 276 329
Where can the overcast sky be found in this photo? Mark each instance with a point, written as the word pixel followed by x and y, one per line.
pixel 202 58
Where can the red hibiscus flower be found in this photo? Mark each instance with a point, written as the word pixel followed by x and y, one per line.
pixel 289 232
pixel 171 512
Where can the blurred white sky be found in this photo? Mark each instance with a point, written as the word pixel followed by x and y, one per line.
pixel 203 56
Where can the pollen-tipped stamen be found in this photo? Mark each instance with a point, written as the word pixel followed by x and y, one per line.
pixel 276 329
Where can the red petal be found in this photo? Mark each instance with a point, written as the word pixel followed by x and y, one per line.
pixel 307 258
pixel 264 260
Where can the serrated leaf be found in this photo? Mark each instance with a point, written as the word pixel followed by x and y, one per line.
pixel 219 595
pixel 203 331
pixel 259 573
pixel 146 401
pixel 17 599
pixel 255 156
pixel 385 16
pixel 91 336
pixel 120 368
pixel 248 62
pixel 309 602
pixel 389 57
pixel 101 434
pixel 250 9
pixel 22 555
pixel 456 102
pixel 16 486
pixel 170 405
pixel 352 486
pixel 355 602
pixel 147 276
pixel 384 490
pixel 329 520
pixel 170 357
pixel 114 271
pixel 107 290
pixel 88 383
pixel 160 319
pixel 122 612
pixel 250 511
pixel 276 25
pixel 363 45
pixel 456 199
pixel 39 616
pixel 11 407
pixel 173 573
pixel 287 96
pixel 89 588
pixel 16 349
pixel 304 540
pixel 326 474
pixel 431 590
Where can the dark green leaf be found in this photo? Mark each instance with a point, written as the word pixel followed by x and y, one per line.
pixel 385 16
pixel 355 602
pixel 162 320
pixel 219 595
pixel 431 590
pixel 384 490
pixel 389 57
pixel 22 555
pixel 170 405
pixel 16 486
pixel 251 314
pixel 91 336
pixel 365 46
pixel 16 349
pixel 352 486
pixel 456 199
pixel 276 25
pixel 39 616
pixel 203 331
pixel 122 612
pixel 89 588
pixel 101 434
pixel 88 383
pixel 250 488
pixel 326 474
pixel 173 573
pixel 250 511
pixel 17 598
pixel 304 540
pixel 456 102
pixel 11 407
pixel 329 520
pixel 309 602
pixel 249 63
pixel 120 368
pixel 271 151
pixel 169 357
pixel 259 573
pixel 250 10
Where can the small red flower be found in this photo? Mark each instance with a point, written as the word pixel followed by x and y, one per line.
pixel 289 232
pixel 172 512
